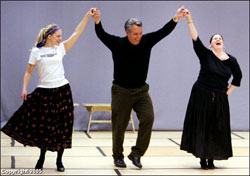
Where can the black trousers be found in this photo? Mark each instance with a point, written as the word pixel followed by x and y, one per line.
pixel 123 101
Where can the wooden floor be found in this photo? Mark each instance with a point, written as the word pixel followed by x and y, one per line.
pixel 91 154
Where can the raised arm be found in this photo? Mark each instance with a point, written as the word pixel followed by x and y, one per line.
pixel 158 35
pixel 191 27
pixel 109 40
pixel 26 80
pixel 78 31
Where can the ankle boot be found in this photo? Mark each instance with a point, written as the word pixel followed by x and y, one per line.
pixel 60 166
pixel 39 164
pixel 203 163
pixel 211 164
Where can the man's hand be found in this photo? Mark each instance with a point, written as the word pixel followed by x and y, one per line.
pixel 179 14
pixel 96 16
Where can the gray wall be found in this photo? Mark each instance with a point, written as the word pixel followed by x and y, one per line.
pixel 173 69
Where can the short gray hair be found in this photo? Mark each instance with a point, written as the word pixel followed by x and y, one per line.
pixel 132 21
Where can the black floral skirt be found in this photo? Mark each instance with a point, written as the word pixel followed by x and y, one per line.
pixel 44 120
pixel 206 131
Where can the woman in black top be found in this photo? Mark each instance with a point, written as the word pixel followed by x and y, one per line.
pixel 206 131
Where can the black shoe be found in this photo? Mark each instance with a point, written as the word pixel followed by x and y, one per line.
pixel 120 163
pixel 211 164
pixel 60 167
pixel 39 164
pixel 135 160
pixel 204 164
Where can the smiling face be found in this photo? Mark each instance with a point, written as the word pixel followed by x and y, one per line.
pixel 55 38
pixel 134 34
pixel 217 42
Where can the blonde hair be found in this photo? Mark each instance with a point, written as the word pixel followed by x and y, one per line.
pixel 42 33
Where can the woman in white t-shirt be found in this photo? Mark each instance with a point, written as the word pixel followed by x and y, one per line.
pixel 45 119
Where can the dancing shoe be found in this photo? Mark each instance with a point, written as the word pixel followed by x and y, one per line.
pixel 135 160
pixel 120 163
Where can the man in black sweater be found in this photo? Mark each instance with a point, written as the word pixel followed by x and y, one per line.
pixel 131 55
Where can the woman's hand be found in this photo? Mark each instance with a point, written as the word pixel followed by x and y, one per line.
pixel 192 30
pixel 188 15
pixel 229 92
pixel 24 95
pixel 230 89
pixel 91 12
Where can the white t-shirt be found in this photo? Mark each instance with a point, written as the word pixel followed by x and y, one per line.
pixel 49 66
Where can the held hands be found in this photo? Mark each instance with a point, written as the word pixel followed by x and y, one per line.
pixel 183 12
pixel 179 14
pixel 96 16
pixel 91 12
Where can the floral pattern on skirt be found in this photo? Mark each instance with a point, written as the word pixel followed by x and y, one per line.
pixel 44 120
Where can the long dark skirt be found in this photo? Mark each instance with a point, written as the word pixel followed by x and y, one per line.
pixel 45 120
pixel 207 132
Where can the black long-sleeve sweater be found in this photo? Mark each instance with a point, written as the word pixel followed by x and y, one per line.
pixel 214 72
pixel 131 61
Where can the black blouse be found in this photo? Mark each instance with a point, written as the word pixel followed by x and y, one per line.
pixel 214 72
